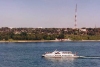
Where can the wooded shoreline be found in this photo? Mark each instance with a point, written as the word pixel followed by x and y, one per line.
pixel 48 34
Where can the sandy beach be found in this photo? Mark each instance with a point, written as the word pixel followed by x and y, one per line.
pixel 56 40
pixel 45 40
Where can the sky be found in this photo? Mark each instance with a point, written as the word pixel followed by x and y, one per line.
pixel 49 13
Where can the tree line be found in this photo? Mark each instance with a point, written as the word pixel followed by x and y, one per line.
pixel 49 33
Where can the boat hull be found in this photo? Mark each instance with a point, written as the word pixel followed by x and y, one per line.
pixel 63 56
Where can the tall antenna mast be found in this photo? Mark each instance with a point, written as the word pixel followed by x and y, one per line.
pixel 76 16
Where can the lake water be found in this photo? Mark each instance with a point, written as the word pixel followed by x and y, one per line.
pixel 29 54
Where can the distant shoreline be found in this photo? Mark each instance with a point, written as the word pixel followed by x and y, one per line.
pixel 47 41
pixel 31 41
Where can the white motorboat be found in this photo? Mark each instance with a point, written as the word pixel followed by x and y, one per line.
pixel 58 54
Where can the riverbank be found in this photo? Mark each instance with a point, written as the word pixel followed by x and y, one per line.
pixel 32 41
pixel 46 40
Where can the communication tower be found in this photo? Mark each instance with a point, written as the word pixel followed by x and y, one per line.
pixel 76 16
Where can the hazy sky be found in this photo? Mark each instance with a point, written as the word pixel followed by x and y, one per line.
pixel 49 13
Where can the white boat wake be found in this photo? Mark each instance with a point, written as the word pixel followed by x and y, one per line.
pixel 90 57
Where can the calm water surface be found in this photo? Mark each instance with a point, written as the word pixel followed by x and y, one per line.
pixel 29 54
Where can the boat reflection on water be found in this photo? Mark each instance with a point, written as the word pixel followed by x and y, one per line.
pixel 59 59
